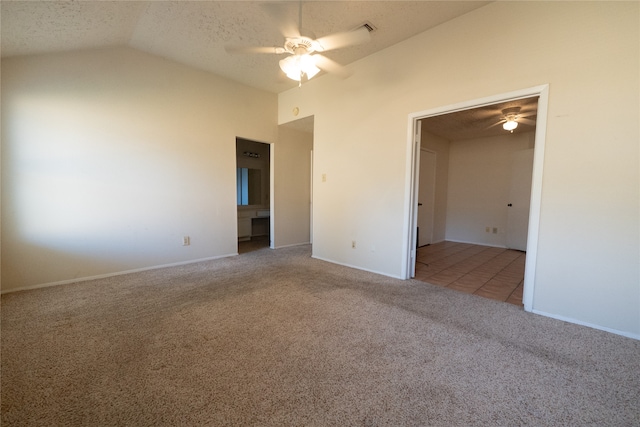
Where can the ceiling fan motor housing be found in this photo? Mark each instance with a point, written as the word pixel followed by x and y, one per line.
pixel 300 45
pixel 511 113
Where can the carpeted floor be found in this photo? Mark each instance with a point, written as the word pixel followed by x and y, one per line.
pixel 275 338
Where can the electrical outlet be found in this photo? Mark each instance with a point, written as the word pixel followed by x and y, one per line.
pixel 495 230
pixel 353 244
pixel 324 177
pixel 186 241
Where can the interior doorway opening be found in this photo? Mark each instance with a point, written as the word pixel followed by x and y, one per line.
pixel 293 175
pixel 253 195
pixel 414 145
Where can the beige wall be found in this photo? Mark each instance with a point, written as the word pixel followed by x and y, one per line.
pixel 588 54
pixel 292 187
pixel 109 157
pixel 479 183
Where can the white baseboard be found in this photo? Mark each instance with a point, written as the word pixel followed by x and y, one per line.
pixel 291 245
pixel 476 243
pixel 357 268
pixel 587 324
pixel 118 273
pixel 433 243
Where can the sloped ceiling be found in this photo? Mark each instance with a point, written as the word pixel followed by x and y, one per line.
pixel 196 32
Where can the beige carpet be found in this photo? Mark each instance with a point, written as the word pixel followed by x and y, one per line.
pixel 275 338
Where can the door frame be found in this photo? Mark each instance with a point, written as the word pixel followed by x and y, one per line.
pixel 411 187
pixel 271 147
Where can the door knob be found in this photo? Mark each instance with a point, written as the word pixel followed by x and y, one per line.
pixel 509 205
pixel 419 204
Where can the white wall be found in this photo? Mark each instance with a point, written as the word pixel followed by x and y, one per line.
pixel 109 157
pixel 292 187
pixel 479 182
pixel 441 147
pixel 588 53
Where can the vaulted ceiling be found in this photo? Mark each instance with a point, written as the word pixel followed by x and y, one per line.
pixel 196 32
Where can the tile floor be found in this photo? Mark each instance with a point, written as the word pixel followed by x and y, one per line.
pixel 495 273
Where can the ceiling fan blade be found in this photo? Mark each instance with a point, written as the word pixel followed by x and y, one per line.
pixel 495 124
pixel 331 66
pixel 253 49
pixel 349 38
pixel 527 121
pixel 278 12
pixel 485 114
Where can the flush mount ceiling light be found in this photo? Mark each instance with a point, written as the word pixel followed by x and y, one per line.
pixel 301 45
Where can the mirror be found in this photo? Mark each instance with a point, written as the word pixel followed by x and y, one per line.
pixel 248 183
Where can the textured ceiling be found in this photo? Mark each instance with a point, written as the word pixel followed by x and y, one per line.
pixel 195 32
pixel 481 122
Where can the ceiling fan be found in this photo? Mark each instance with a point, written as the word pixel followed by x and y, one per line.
pixel 512 116
pixel 301 46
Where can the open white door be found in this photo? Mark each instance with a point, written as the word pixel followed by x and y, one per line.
pixel 414 181
pixel 426 197
pixel 311 201
pixel 519 200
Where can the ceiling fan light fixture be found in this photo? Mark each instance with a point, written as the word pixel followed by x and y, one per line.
pixel 296 66
pixel 510 125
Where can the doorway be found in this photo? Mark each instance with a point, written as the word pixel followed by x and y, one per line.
pixel 253 189
pixel 293 183
pixel 413 145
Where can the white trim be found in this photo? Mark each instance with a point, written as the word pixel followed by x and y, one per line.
pixel 477 244
pixel 272 195
pixel 311 198
pixel 292 245
pixel 407 268
pixel 542 92
pixel 119 273
pixel 587 324
pixel 536 198
pixel 356 267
